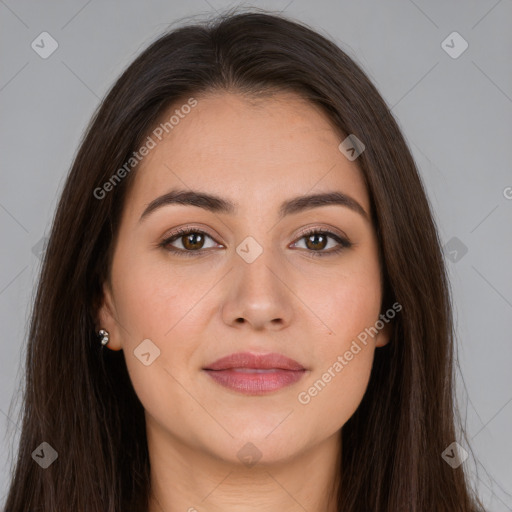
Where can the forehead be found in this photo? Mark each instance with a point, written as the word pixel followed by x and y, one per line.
pixel 251 151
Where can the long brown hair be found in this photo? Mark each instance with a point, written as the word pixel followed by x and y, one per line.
pixel 79 399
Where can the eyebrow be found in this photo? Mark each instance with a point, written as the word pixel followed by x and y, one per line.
pixel 218 204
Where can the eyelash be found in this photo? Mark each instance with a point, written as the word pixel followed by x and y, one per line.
pixel 344 243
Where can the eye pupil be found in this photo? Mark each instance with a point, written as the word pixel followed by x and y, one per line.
pixel 189 242
pixel 316 236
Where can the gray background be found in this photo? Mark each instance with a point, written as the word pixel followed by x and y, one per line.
pixel 455 114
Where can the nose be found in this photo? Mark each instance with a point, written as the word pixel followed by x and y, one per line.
pixel 259 295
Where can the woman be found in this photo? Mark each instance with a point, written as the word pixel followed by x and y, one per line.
pixel 243 303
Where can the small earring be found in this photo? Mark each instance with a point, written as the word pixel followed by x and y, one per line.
pixel 105 337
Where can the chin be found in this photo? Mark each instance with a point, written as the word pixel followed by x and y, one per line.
pixel 256 444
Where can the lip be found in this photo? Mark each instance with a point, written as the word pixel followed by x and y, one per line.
pixel 255 374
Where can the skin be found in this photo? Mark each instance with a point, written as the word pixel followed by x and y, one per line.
pixel 256 154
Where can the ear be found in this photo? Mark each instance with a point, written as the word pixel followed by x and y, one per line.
pixel 383 337
pixel 107 319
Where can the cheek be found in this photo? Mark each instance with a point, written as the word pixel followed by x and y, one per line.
pixel 154 303
pixel 153 300
pixel 344 358
pixel 335 392
pixel 345 348
pixel 347 304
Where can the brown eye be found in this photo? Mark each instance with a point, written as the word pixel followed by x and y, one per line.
pixel 191 241
pixel 316 241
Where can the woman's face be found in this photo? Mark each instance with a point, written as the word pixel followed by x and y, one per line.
pixel 248 279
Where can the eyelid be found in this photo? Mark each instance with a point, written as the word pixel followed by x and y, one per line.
pixel 316 228
pixel 303 231
pixel 186 229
